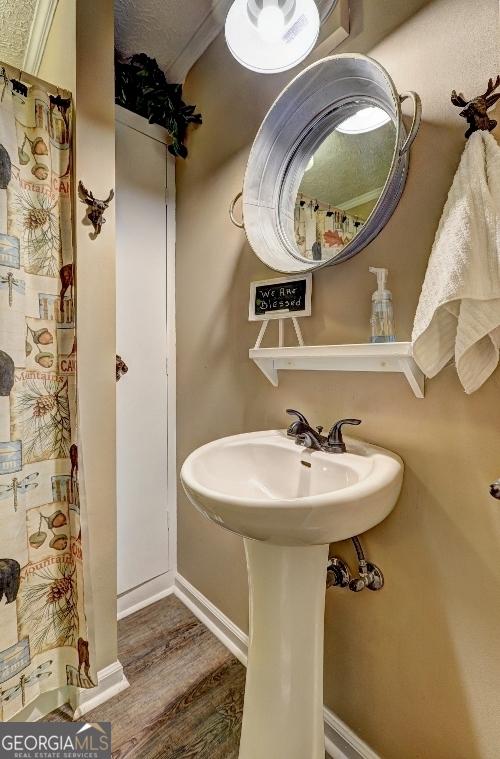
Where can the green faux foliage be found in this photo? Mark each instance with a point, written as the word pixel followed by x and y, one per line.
pixel 141 87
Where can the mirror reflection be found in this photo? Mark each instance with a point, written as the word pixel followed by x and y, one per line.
pixel 342 183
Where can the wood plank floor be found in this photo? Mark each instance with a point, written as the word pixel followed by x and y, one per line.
pixel 185 699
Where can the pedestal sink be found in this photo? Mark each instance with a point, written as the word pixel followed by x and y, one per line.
pixel 288 503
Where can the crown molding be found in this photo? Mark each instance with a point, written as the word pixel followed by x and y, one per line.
pixel 204 35
pixel 40 28
pixel 359 200
pixel 335 29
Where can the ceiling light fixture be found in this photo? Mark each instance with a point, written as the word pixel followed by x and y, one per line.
pixel 364 120
pixel 269 36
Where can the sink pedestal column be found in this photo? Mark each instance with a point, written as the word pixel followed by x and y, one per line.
pixel 283 712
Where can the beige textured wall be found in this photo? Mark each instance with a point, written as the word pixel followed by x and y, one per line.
pixel 415 670
pixel 79 56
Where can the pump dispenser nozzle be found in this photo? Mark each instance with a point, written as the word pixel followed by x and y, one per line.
pixel 381 275
pixel 382 321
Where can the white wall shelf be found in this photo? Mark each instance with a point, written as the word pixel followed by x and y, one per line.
pixel 369 357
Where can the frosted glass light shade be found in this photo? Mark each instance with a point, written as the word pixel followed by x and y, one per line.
pixel 273 44
pixel 271 23
pixel 365 120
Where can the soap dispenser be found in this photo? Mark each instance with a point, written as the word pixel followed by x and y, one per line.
pixel 382 321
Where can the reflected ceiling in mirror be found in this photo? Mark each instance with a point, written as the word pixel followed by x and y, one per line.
pixel 342 183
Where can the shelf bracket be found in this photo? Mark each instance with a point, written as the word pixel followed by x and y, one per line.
pixel 268 369
pixel 414 376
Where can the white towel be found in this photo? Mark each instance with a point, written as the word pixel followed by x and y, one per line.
pixel 458 314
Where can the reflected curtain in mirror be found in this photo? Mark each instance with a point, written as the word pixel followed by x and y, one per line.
pixel 342 183
pixel 321 230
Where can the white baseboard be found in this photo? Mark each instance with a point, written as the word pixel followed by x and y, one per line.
pixel 221 626
pixel 110 681
pixel 145 594
pixel 340 741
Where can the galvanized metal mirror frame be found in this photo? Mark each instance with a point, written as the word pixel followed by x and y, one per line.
pixel 307 110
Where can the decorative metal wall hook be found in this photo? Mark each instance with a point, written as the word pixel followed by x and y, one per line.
pixel 475 110
pixel 495 489
pixel 96 208
pixel 121 367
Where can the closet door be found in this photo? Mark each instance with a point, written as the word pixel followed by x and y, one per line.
pixel 141 321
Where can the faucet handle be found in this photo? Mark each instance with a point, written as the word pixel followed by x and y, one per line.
pixel 298 414
pixel 298 427
pixel 335 439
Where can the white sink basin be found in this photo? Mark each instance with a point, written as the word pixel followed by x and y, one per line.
pixel 288 503
pixel 263 486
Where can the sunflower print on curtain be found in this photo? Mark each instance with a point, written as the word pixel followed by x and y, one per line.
pixel 43 627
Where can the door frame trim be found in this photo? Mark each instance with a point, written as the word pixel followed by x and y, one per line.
pixel 142 125
pixel 170 198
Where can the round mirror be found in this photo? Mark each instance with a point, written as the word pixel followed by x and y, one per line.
pixel 328 165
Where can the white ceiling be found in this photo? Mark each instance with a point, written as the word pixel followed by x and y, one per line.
pixel 175 32
pixel 15 22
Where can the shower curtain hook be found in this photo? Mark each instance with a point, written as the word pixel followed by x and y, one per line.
pixel 3 75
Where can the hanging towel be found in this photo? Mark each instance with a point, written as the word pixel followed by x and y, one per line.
pixel 458 314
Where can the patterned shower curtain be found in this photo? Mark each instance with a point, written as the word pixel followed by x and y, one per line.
pixel 317 222
pixel 43 627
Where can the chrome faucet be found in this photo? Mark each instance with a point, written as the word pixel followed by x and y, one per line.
pixel 311 438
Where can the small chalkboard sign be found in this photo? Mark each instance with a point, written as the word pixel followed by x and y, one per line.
pixel 280 298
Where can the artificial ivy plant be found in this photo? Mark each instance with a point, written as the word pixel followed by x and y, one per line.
pixel 141 87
